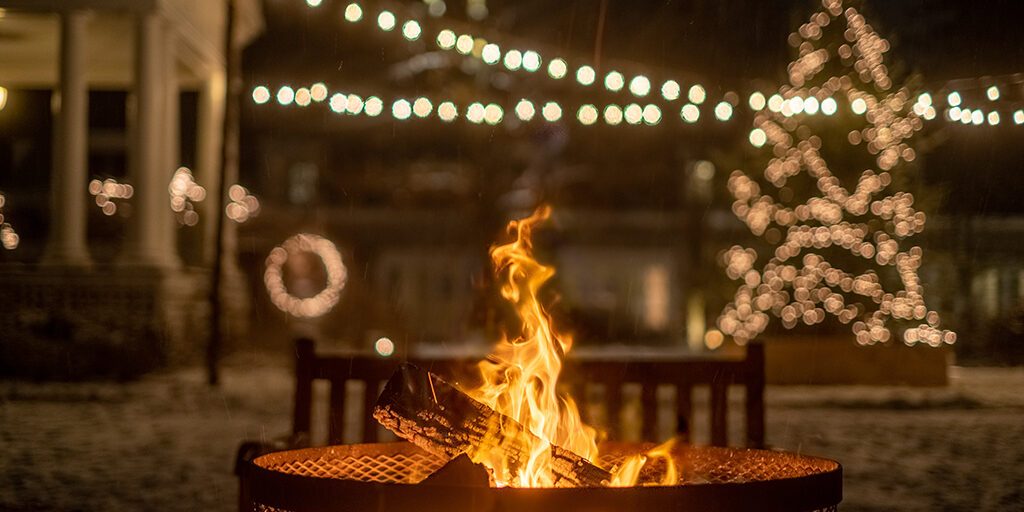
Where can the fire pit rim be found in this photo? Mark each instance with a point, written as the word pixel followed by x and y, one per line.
pixel 308 493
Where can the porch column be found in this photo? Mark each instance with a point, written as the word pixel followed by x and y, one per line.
pixel 209 135
pixel 67 239
pixel 149 241
pixel 171 157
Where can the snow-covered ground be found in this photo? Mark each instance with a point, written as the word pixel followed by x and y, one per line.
pixel 167 443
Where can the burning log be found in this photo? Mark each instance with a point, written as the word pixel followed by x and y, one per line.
pixel 423 409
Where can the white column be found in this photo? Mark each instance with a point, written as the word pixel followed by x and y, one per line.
pixel 67 240
pixel 209 135
pixel 149 243
pixel 172 131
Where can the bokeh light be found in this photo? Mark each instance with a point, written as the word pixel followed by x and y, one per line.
pixel 557 69
pixel 670 90
pixel 640 86
pixel 386 21
pixel 353 13
pixel 260 95
pixel 585 75
pixel 552 112
pixel 587 115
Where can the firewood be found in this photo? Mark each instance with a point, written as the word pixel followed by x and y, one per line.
pixel 423 409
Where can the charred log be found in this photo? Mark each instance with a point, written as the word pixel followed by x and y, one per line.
pixel 423 409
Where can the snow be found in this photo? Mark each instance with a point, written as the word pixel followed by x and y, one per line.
pixel 168 442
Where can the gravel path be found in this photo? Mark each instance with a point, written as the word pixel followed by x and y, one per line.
pixel 167 443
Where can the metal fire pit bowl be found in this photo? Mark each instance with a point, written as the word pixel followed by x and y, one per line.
pixel 385 476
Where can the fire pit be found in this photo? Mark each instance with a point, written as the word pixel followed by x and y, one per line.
pixel 506 439
pixel 392 476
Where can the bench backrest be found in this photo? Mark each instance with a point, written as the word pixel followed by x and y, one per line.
pixel 683 374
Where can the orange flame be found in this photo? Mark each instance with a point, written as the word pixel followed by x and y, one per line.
pixel 627 474
pixel 520 377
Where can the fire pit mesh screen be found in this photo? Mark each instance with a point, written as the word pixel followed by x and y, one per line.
pixel 386 468
pixel 404 463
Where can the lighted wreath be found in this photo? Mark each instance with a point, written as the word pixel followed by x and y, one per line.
pixel 318 304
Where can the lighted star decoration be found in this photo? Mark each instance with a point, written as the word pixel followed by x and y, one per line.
pixel 872 222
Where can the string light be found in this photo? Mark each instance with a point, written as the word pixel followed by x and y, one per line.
pixel 285 95
pixel 355 104
pixel 401 110
pixel 464 44
pixel 690 113
pixel 260 95
pixel 551 112
pixel 106 193
pixel 531 61
pixel 525 110
pixel 303 97
pixel 859 106
pixel 723 111
pixel 446 39
pixel 867 48
pixel 829 106
pixel 9 239
pixel 587 115
pixel 757 137
pixel 670 90
pixel 422 107
pixel 447 111
pixel 612 115
pixel 493 114
pixel 640 86
pixel 386 21
pixel 411 30
pixel 614 81
pixel 373 106
pixel 491 54
pixel 243 205
pixel 585 75
pixel 697 94
pixel 475 113
pixel 557 69
pixel 317 91
pixel 184 193
pixel 652 114
pixel 757 101
pixel 513 60
pixel 1018 117
pixel 353 13
pixel 811 105
pixel 633 113
pixel 322 302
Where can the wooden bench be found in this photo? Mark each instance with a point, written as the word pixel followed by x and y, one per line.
pixel 718 374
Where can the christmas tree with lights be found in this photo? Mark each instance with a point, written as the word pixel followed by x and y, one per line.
pixel 829 201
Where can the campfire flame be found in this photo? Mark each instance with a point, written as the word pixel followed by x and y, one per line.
pixel 520 377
